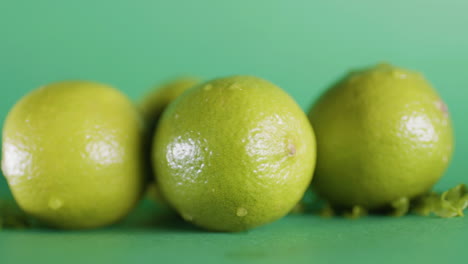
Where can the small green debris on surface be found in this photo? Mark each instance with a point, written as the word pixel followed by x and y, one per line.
pixel 400 207
pixel 327 211
pixel 450 203
pixel 355 212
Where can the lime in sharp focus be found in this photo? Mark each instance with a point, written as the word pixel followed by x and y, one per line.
pixel 234 153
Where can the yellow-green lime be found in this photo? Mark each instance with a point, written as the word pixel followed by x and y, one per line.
pixel 72 154
pixel 234 153
pixel 152 106
pixel 383 133
pixel 154 103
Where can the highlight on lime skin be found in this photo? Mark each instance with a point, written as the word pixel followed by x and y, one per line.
pixel 230 154
pixel 82 143
pixel 233 153
pixel 384 137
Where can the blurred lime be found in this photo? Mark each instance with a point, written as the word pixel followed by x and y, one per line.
pixel 154 103
pixel 72 154
pixel 383 133
pixel 234 153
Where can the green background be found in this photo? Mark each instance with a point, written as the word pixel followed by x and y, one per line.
pixel 300 45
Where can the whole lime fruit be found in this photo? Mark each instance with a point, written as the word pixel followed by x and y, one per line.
pixel 152 107
pixel 383 133
pixel 72 154
pixel 234 153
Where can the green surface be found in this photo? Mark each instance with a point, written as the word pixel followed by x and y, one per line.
pixel 302 46
pixel 154 238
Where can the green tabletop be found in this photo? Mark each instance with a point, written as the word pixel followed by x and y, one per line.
pixel 301 45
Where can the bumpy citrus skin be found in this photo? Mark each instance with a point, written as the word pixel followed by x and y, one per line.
pixel 383 133
pixel 234 153
pixel 152 107
pixel 72 154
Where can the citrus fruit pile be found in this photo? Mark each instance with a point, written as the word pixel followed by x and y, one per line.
pixel 228 154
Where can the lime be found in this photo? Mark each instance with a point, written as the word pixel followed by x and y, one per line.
pixel 152 107
pixel 154 103
pixel 234 153
pixel 383 133
pixel 72 154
